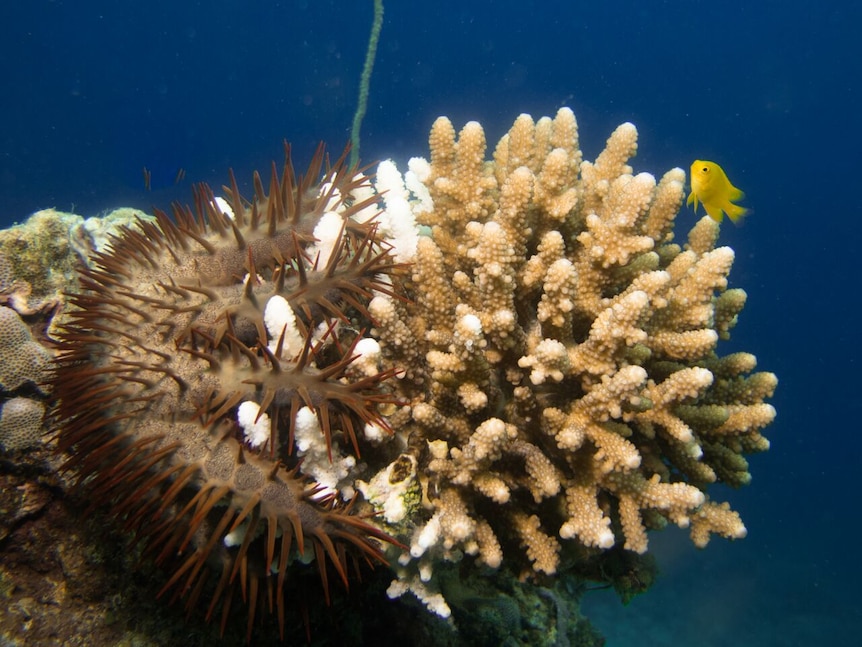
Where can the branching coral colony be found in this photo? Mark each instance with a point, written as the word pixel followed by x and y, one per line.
pixel 511 360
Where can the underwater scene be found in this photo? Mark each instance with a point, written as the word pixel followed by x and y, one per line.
pixel 449 324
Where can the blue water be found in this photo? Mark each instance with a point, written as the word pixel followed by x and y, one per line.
pixel 93 91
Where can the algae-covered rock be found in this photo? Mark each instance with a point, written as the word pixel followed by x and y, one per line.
pixel 38 257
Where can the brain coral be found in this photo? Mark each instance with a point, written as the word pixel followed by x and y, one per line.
pixel 24 366
pixel 21 423
pixel 22 360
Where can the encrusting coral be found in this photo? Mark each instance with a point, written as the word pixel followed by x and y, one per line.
pixel 510 359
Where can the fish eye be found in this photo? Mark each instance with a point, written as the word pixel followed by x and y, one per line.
pixel 705 169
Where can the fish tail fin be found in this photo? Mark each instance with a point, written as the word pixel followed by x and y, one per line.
pixel 736 213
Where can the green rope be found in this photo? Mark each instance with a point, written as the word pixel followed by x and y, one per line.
pixel 365 81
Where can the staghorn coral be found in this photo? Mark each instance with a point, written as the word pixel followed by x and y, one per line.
pixel 571 393
pixel 510 359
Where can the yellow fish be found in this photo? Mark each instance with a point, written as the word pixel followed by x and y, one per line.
pixel 709 185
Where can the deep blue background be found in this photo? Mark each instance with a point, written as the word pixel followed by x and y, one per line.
pixel 92 91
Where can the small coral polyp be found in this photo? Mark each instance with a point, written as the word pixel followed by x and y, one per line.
pixel 171 340
pixel 512 359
